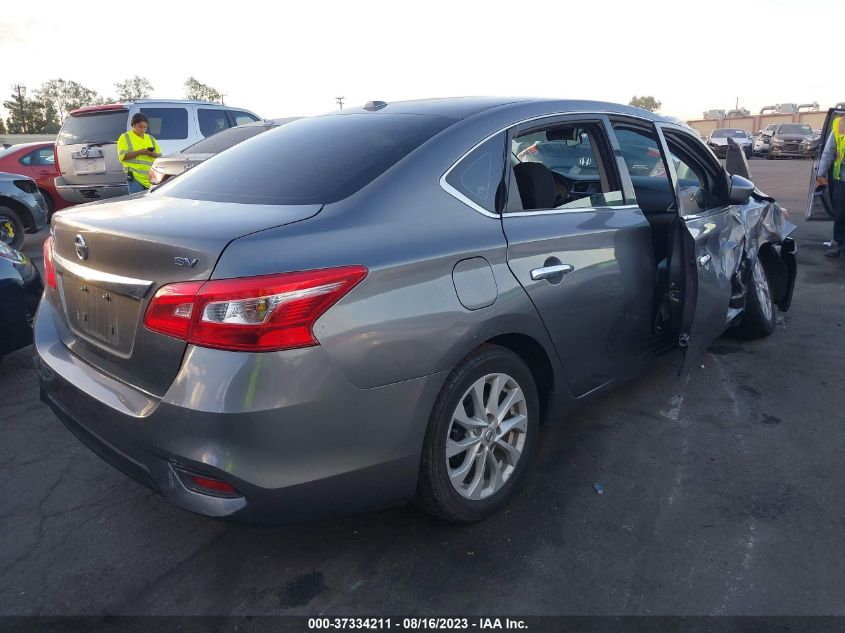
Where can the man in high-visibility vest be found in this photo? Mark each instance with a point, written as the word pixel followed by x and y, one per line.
pixel 834 152
pixel 137 150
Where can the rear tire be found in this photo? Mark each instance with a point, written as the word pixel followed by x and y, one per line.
pixel 758 319
pixel 51 206
pixel 11 228
pixel 481 437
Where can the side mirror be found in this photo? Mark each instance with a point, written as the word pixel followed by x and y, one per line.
pixel 741 190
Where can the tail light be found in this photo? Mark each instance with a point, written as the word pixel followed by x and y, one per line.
pixel 49 268
pixel 156 177
pixel 257 314
pixel 56 157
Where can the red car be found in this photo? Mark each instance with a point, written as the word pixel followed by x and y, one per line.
pixel 36 160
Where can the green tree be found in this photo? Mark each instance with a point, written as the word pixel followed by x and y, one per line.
pixel 195 89
pixel 65 96
pixel 30 115
pixel 646 103
pixel 137 87
pixel 2 127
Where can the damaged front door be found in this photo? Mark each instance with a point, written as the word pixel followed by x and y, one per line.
pixel 704 253
pixel 819 199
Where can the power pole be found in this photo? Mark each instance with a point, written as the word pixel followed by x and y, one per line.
pixel 339 101
pixel 221 99
pixel 21 90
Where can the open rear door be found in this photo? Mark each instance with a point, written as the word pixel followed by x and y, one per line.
pixel 819 203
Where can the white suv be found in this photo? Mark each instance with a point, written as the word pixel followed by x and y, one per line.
pixel 86 147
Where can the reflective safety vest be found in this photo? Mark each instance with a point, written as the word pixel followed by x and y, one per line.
pixel 138 167
pixel 839 138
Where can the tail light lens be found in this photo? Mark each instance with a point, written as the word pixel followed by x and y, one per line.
pixel 257 314
pixel 156 177
pixel 49 268
pixel 56 157
pixel 28 186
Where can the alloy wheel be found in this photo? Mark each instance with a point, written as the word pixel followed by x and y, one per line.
pixel 761 287
pixel 486 436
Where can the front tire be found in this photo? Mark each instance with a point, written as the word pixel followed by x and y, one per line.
pixel 758 319
pixel 481 437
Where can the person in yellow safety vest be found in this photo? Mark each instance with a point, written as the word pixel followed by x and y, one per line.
pixel 834 152
pixel 137 150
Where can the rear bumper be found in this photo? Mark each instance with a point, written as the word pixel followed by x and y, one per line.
pixel 89 193
pixel 322 448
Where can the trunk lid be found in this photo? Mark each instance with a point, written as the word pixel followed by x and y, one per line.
pixel 175 164
pixel 111 258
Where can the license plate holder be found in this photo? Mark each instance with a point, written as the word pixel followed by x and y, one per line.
pixel 92 311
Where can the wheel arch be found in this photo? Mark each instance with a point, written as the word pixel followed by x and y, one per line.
pixel 534 355
pixel 776 271
pixel 23 213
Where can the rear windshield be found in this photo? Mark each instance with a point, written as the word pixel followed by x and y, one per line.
pixel 730 134
pixel 795 129
pixel 311 161
pixel 216 143
pixel 93 128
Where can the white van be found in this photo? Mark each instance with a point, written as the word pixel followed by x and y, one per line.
pixel 86 147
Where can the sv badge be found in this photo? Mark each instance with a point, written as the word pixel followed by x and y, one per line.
pixel 189 262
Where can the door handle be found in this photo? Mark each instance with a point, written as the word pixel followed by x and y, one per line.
pixel 703 260
pixel 551 271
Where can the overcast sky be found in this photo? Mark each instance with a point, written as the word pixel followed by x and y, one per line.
pixel 287 59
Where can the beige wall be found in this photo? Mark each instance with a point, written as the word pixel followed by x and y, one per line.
pixel 15 139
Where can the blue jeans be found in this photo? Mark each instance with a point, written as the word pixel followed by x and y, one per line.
pixel 135 186
pixel 838 195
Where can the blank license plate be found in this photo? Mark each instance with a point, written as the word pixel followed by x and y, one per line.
pixel 89 165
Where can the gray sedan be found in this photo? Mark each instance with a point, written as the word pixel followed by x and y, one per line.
pixel 383 304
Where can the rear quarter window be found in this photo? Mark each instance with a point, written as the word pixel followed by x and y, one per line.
pixel 166 124
pixel 317 160
pixel 93 128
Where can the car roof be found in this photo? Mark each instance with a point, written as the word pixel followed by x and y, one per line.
pixel 30 145
pixel 465 107
pixel 125 105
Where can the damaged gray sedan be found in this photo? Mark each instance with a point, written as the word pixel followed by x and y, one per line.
pixel 383 304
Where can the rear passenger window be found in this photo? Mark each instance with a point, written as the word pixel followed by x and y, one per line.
pixel 478 176
pixel 212 121
pixel 563 167
pixel 167 123
pixel 240 118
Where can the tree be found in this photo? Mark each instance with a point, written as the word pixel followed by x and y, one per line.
pixel 646 103
pixel 2 127
pixel 136 87
pixel 195 89
pixel 30 115
pixel 65 96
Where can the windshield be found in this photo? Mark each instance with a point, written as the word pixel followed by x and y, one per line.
pixel 216 143
pixel 787 128
pixel 730 134
pixel 311 161
pixel 101 127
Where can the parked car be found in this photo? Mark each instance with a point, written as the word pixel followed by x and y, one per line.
pixel 718 141
pixel 793 140
pixel 820 203
pixel 86 147
pixel 166 167
pixel 20 292
pixel 36 160
pixel 22 208
pixel 382 304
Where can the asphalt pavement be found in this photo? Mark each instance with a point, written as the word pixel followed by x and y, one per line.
pixel 723 495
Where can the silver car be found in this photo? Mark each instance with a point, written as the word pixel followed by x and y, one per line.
pixel 383 304
pixel 718 141
pixel 22 208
